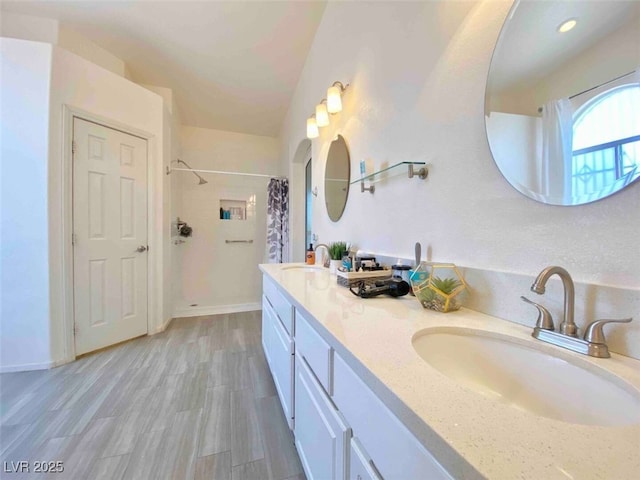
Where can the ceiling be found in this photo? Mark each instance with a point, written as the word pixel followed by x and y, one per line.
pixel 532 48
pixel 232 65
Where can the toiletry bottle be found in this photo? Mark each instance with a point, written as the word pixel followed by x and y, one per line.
pixel 311 255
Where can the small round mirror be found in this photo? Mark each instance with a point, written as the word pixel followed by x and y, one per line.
pixel 336 178
pixel 563 97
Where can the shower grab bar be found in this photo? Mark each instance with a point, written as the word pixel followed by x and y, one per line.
pixel 238 241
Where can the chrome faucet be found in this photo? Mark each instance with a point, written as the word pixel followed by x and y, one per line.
pixel 593 344
pixel 568 325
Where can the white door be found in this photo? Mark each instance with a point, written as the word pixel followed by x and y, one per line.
pixel 110 236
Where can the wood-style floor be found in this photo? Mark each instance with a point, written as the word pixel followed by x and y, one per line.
pixel 194 402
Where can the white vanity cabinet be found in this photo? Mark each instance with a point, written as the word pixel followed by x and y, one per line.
pixel 361 467
pixel 342 430
pixel 321 433
pixel 391 449
pixel 277 343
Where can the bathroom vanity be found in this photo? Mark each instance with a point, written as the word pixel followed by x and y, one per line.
pixel 363 403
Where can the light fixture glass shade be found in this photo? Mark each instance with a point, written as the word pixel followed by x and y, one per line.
pixel 334 100
pixel 322 116
pixel 567 25
pixel 312 128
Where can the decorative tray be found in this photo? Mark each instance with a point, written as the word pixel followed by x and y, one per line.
pixel 346 279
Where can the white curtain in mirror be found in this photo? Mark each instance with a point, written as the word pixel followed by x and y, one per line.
pixel 557 148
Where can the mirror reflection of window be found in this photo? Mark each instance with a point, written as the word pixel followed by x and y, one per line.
pixel 606 140
pixel 566 77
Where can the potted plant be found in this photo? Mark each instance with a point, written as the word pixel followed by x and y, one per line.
pixel 336 251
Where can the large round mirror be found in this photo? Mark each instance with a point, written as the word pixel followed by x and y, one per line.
pixel 336 178
pixel 563 97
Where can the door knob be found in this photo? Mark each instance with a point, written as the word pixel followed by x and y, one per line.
pixel 141 248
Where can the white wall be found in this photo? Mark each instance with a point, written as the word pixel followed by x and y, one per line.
pixel 49 30
pixel 166 94
pixel 83 86
pixel 80 45
pixel 175 207
pixel 24 286
pixel 38 82
pixel 27 27
pixel 418 75
pixel 216 276
pixel 519 147
pixel 171 257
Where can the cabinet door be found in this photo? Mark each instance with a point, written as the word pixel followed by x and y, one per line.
pixel 280 355
pixel 267 327
pixel 360 465
pixel 281 306
pixel 321 434
pixel 282 367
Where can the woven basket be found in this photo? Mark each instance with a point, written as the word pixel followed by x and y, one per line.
pixel 348 279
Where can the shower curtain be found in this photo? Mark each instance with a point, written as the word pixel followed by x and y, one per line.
pixel 278 221
pixel 557 149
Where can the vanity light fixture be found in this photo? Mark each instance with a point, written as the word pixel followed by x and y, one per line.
pixel 567 25
pixel 334 97
pixel 322 115
pixel 312 127
pixel 332 104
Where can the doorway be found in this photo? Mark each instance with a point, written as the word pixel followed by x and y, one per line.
pixel 308 195
pixel 109 235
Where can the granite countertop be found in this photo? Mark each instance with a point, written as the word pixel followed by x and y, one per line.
pixel 471 435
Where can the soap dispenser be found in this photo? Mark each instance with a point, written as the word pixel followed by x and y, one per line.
pixel 311 255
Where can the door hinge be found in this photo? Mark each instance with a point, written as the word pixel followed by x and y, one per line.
pixel 75 329
pixel 73 146
pixel 74 239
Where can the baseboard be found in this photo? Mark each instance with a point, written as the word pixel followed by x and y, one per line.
pixel 216 310
pixel 162 327
pixel 27 367
pixel 63 361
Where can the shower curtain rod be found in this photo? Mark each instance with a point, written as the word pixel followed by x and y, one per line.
pixel 169 170
pixel 602 84
pixel 593 88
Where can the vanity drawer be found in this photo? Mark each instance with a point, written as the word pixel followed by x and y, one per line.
pixel 397 454
pixel 315 351
pixel 282 307
pixel 360 465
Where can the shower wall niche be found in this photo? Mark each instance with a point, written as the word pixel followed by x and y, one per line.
pixel 233 209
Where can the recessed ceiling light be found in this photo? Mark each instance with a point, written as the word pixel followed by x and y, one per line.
pixel 568 25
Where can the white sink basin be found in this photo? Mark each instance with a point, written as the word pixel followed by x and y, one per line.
pixel 304 268
pixel 528 378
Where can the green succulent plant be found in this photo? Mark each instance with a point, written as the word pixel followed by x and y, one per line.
pixel 445 285
pixel 337 250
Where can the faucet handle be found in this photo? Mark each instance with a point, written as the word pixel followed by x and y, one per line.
pixel 594 333
pixel 544 321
